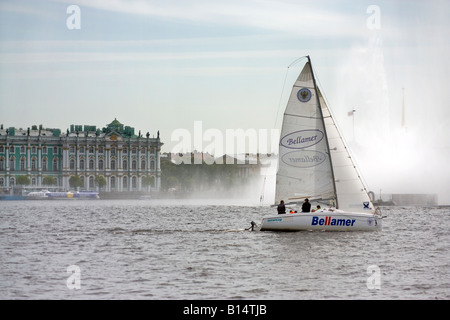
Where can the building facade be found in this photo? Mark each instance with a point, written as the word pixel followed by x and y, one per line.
pixel 126 161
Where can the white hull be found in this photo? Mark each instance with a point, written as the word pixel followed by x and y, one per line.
pixel 38 195
pixel 323 220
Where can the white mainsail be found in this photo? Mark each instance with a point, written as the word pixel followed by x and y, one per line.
pixel 314 162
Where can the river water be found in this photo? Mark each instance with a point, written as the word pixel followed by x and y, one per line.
pixel 151 249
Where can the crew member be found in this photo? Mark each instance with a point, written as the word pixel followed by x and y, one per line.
pixel 281 208
pixel 306 206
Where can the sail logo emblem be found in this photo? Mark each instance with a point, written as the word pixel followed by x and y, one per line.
pixel 304 95
pixel 302 139
pixel 303 158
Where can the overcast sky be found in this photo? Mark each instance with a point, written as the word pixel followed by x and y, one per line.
pixel 161 65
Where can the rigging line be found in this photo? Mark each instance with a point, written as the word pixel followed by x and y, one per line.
pixel 284 84
pixel 281 97
pixel 296 115
pixel 290 177
pixel 296 60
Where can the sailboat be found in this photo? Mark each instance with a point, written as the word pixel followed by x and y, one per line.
pixel 314 164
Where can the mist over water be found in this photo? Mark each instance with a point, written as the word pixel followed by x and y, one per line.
pixel 397 134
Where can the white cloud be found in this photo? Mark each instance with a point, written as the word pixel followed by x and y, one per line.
pixel 284 16
pixel 23 8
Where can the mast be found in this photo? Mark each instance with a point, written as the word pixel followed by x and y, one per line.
pixel 325 131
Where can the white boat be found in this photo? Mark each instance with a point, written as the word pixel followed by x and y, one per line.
pixel 37 195
pixel 74 195
pixel 47 195
pixel 60 195
pixel 314 163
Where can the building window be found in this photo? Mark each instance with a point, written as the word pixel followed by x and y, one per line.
pixel 44 164
pixel 2 149
pixel 72 149
pixel 91 182
pixel 125 182
pixel 100 149
pixel 2 182
pixel 134 182
pixel 91 149
pixel 125 150
pixel 100 164
pixel 12 182
pixel 33 164
pixel 33 149
pixel 133 164
pixel 22 149
pixel 124 164
pixel 113 182
pixel 133 151
pixel 55 164
pixel 113 164
pixel 113 151
pixel 11 149
pixel 55 150
pixel 44 150
pixel 82 150
pixel 33 181
pixel 142 164
pixel 2 164
pixel 72 164
pixel 22 164
pixel 12 164
pixel 91 164
pixel 81 164
pixel 152 165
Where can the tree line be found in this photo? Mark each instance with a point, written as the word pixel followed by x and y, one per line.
pixel 204 178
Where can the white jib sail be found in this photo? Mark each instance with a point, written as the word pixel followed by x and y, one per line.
pixel 307 168
pixel 350 191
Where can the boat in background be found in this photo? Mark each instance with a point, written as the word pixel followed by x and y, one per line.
pixel 38 195
pixel 47 195
pixel 86 195
pixel 314 163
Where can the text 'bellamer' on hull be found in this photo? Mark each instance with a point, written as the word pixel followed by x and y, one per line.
pixel 322 220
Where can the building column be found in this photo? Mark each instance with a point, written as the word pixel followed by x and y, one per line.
pixel 39 165
pixel 7 176
pixel 28 167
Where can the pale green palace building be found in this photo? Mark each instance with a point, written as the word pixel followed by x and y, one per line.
pixel 114 152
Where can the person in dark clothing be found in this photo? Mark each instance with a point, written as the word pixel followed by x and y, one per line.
pixel 281 208
pixel 306 206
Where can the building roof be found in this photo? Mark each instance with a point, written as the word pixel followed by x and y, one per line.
pixel 115 128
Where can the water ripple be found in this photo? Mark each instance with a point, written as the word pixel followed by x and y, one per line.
pixel 143 250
